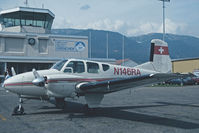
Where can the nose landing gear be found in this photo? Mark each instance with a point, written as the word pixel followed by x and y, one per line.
pixel 19 110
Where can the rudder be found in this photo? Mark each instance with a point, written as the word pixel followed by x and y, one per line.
pixel 159 56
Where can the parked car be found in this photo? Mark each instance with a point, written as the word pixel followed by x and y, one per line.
pixel 196 79
pixel 189 81
pixel 183 81
pixel 175 82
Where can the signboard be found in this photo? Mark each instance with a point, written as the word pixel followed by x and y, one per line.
pixel 69 45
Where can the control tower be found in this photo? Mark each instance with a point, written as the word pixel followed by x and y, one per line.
pixel 26 19
pixel 26 41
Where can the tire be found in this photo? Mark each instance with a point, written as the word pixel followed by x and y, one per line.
pixel 16 111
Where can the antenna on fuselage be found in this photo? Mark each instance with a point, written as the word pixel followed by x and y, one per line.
pixel 43 6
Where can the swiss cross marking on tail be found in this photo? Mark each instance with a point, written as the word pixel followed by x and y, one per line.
pixel 161 50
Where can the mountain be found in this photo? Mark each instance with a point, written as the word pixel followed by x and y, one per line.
pixel 136 48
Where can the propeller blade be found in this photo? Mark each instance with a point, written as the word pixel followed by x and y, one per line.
pixel 38 81
pixel 13 71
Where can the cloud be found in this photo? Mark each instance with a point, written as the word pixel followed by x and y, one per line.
pixel 85 7
pixel 173 27
pixel 125 27
pixel 61 22
pixel 107 24
pixel 153 27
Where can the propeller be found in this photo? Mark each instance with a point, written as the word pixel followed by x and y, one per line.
pixel 13 71
pixel 39 80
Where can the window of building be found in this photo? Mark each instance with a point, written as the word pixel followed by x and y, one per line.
pixel 2 68
pixel 43 46
pixel 92 67
pixel 14 45
pixel 27 67
pixel 78 66
pixel 105 67
pixel 0 44
pixel 28 19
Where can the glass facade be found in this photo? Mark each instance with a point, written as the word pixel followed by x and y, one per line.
pixel 2 71
pixel 26 67
pixel 21 67
pixel 27 19
pixel 2 68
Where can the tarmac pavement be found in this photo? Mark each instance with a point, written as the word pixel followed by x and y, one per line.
pixel 143 110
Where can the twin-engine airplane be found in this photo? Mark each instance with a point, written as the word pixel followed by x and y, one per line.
pixel 77 77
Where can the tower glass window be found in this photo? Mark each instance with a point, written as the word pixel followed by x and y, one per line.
pixel 37 18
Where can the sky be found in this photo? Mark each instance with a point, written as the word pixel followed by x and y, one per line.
pixel 128 17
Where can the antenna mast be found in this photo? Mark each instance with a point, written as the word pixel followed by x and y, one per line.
pixel 26 3
pixel 163 14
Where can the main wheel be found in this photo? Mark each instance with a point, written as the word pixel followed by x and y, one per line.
pixel 18 110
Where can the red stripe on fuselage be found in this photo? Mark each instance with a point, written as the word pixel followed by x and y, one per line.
pixel 77 80
pixel 56 80
pixel 19 84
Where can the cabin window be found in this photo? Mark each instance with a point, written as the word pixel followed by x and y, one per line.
pixel 105 67
pixel 59 65
pixel 78 66
pixel 92 67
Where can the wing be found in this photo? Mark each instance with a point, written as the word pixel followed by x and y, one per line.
pixel 108 86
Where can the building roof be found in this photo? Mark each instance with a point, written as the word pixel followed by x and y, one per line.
pixel 185 59
pixel 39 35
pixel 29 59
pixel 28 9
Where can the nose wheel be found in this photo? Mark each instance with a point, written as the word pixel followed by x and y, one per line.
pixel 19 110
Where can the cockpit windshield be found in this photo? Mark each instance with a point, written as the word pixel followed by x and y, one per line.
pixel 59 65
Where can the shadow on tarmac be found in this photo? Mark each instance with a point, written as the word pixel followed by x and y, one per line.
pixel 179 104
pixel 76 110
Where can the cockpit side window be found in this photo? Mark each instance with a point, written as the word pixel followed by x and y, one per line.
pixel 78 66
pixel 105 67
pixel 92 67
pixel 59 65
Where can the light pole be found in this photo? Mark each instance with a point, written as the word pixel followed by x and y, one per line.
pixel 163 8
pixel 90 50
pixel 107 48
pixel 123 48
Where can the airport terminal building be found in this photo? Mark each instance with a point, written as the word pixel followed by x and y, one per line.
pixel 186 65
pixel 26 41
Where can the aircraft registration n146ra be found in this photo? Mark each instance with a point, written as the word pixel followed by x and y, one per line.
pixel 76 77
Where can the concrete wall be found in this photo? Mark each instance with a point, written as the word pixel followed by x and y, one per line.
pixel 46 45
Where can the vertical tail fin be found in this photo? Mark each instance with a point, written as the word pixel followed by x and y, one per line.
pixel 160 56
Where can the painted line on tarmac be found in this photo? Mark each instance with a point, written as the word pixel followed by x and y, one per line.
pixel 2 118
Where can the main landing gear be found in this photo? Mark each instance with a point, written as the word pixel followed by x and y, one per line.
pixel 60 103
pixel 19 110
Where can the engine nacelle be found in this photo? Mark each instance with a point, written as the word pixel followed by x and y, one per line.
pixel 60 86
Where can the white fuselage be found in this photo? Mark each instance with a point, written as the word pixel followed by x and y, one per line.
pixel 63 78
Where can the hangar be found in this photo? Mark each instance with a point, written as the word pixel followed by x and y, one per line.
pixel 26 41
pixel 186 65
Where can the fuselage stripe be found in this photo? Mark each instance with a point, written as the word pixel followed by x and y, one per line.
pixel 55 80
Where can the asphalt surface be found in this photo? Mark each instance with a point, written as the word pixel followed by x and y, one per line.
pixel 144 110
